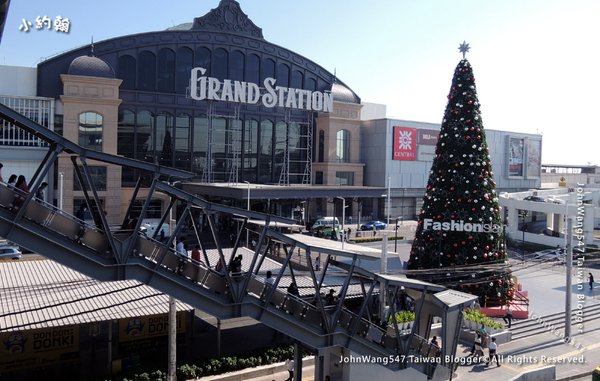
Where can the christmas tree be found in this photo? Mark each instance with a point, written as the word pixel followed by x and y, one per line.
pixel 459 240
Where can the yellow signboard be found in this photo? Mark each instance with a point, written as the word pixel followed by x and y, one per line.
pixel 145 327
pixel 32 348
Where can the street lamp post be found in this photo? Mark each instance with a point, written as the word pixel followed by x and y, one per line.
pixel 343 219
pixel 396 235
pixel 524 229
pixel 389 195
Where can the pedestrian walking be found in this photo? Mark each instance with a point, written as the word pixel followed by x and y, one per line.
pixel 508 316
pixel 493 352
pixel 289 364
pixel 40 192
pixel 591 279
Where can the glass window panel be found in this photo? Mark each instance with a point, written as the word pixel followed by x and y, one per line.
pixel 280 142
pixel 321 149
pixel 164 139
pixel 267 69
pixel 126 133
pixel 253 68
pixel 220 64
pixel 250 150
pixel 90 130
pixel 297 79
pixel 200 144
pixel 203 59
pixel 182 142
pixel 97 175
pixel 344 178
pixel 342 148
pixel 265 158
pixel 283 75
pixel 166 70
pixel 236 71
pixel 145 136
pixel 126 72
pixel 147 71
pixel 183 67
pixel 219 149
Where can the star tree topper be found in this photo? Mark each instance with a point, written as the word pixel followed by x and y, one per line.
pixel 464 48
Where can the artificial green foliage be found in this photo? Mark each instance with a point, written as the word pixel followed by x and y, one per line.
pixel 402 317
pixel 481 319
pixel 461 187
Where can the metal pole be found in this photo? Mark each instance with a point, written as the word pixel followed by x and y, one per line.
pixel 569 253
pixel 343 234
pixel 382 290
pixel 248 208
pixel 396 237
pixel 60 190
pixel 389 195
pixel 172 366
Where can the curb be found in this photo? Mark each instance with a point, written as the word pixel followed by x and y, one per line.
pixel 259 371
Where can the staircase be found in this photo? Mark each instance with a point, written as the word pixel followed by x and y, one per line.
pixel 536 325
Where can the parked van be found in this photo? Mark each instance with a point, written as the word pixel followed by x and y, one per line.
pixel 331 222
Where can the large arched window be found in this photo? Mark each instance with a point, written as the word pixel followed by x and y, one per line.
pixel 127 71
pixel 342 147
pixel 90 130
pixel 147 71
pixel 253 68
pixel 297 79
pixel 267 69
pixel 220 64
pixel 283 75
pixel 236 68
pixel 183 67
pixel 311 84
pixel 202 59
pixel 166 70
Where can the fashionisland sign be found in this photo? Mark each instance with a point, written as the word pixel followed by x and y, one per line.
pixel 460 226
pixel 270 95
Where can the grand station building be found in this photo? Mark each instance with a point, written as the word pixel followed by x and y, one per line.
pixel 258 125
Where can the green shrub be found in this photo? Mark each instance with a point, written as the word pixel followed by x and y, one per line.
pixel 402 317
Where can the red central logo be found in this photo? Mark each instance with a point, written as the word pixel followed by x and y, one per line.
pixel 405 143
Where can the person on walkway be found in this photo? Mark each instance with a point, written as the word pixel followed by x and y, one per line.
pixel 493 352
pixel 80 213
pixel 12 180
pixel 270 280
pixel 330 298
pixel 293 289
pixel 289 364
pixel 40 192
pixel 476 350
pixel 591 280
pixel 508 316
pixel 196 253
pixel 22 191
pixel 1 179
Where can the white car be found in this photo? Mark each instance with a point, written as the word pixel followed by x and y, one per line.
pixel 10 252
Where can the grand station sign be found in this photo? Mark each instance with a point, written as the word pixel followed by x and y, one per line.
pixel 270 95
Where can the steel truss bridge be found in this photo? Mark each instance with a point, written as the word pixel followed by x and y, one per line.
pixel 108 253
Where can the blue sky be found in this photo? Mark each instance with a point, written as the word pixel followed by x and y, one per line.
pixel 536 62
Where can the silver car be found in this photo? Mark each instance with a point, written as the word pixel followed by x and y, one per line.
pixel 10 252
